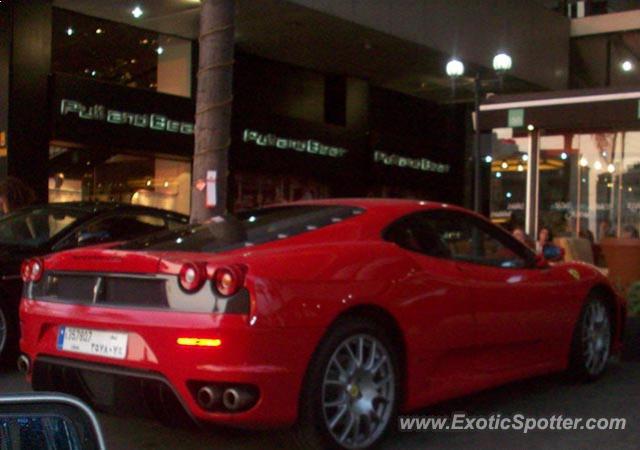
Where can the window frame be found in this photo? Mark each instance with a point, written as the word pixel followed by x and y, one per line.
pixel 495 232
pixel 71 236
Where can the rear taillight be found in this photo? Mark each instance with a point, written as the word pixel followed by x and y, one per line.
pixel 191 277
pixel 32 270
pixel 228 280
pixel 25 270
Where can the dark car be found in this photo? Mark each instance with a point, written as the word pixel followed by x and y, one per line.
pixel 38 230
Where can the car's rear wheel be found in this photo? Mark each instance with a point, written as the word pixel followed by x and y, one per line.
pixel 351 390
pixel 7 337
pixel 591 346
pixel 3 332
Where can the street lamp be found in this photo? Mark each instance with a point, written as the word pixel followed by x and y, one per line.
pixel 455 68
pixel 502 63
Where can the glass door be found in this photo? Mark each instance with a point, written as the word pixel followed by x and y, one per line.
pixel 508 189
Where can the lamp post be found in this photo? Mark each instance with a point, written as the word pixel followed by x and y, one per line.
pixel 455 69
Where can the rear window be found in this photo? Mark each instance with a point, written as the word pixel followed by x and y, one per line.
pixel 245 229
pixel 36 226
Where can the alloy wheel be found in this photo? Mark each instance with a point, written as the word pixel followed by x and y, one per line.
pixel 596 337
pixel 358 391
pixel 4 330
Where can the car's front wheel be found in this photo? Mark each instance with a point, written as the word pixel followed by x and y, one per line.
pixel 591 346
pixel 351 390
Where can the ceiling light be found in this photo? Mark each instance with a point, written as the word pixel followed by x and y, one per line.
pixel 498 174
pixel 627 66
pixel 584 162
pixel 530 127
pixel 597 165
pixel 160 50
pixel 611 168
pixel 99 31
pixel 70 31
pixel 525 157
pixel 137 12
pixel 504 165
pixel 93 73
pixel 564 155
pixel 488 159
pixel 520 168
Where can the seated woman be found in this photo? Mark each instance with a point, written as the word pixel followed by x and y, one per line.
pixel 630 232
pixel 519 234
pixel 546 247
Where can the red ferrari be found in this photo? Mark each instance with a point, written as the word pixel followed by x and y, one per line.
pixel 332 316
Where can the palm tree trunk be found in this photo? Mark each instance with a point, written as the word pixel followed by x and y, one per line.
pixel 213 106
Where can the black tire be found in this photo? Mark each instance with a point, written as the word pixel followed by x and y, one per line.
pixel 8 337
pixel 591 346
pixel 312 430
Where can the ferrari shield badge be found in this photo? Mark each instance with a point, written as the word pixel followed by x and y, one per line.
pixel 574 273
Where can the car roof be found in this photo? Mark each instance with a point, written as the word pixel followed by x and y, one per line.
pixel 381 212
pixel 100 207
pixel 381 204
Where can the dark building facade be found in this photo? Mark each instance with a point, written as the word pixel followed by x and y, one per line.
pixel 77 127
pixel 98 106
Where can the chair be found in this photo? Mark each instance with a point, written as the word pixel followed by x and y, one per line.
pixel 622 256
pixel 575 249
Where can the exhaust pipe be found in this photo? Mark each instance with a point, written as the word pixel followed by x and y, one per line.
pixel 235 399
pixel 208 397
pixel 24 364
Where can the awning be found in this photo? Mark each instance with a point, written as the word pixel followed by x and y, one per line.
pixel 586 110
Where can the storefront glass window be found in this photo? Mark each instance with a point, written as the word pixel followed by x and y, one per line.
pixel 91 175
pixel 597 172
pixel 558 181
pixel 589 183
pixel 118 53
pixel 508 162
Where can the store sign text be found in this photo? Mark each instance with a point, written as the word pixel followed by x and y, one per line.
pixel 423 164
pixel 157 122
pixel 306 146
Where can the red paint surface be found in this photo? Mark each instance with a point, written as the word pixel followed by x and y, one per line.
pixel 465 327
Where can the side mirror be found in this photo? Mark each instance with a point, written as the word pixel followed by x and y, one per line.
pixel 43 420
pixel 92 237
pixel 541 262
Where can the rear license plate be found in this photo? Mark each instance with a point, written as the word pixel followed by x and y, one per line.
pixel 93 342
